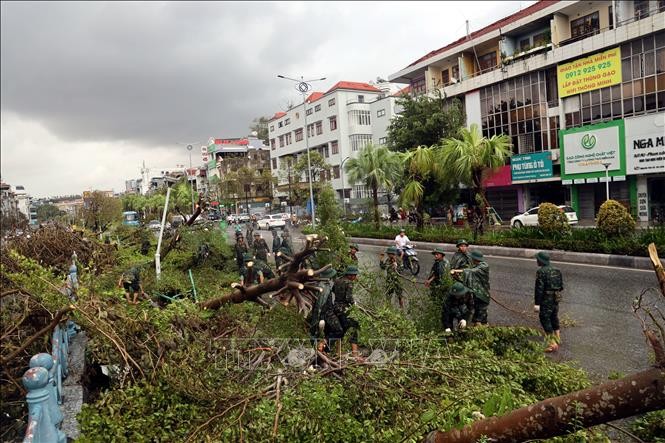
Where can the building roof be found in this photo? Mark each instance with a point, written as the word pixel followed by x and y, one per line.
pixel 314 96
pixel 277 115
pixel 356 86
pixel 403 91
pixel 541 4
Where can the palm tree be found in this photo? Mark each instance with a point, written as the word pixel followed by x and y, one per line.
pixel 421 165
pixel 376 167
pixel 465 157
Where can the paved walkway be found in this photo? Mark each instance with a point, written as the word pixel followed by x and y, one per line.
pixel 72 386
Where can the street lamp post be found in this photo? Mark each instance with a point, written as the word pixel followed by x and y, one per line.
pixel 341 167
pixel 288 163
pixel 191 185
pixel 607 181
pixel 304 87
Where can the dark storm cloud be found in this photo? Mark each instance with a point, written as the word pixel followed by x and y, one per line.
pixel 150 72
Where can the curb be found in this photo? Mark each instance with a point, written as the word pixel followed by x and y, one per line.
pixel 623 261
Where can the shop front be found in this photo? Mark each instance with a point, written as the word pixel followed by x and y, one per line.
pixel 501 195
pixel 534 175
pixel 593 163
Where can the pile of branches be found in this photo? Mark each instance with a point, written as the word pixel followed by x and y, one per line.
pixel 52 246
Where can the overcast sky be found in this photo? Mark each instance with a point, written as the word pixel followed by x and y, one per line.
pixel 91 89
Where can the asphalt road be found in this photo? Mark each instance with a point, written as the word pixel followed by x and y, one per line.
pixel 599 330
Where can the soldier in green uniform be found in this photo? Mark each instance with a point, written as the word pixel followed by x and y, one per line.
pixel 353 251
pixel 249 235
pixel 262 266
pixel 440 268
pixel 461 259
pixel 317 321
pixel 338 323
pixel 549 284
pixel 260 247
pixel 287 246
pixel 393 282
pixel 477 279
pixel 130 281
pixel 276 244
pixel 249 275
pixel 459 306
pixel 240 250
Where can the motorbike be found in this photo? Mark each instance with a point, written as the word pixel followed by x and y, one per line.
pixel 410 261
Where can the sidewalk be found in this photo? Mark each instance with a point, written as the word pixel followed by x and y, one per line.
pixel 623 261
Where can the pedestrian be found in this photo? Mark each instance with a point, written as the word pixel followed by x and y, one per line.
pixel 458 306
pixel 547 295
pixel 449 215
pixel 130 281
pixel 393 281
pixel 337 321
pixel 317 320
pixel 477 279
pixel 249 275
pixel 461 259
pixel 260 247
pixel 393 215
pixel 353 250
pixel 240 249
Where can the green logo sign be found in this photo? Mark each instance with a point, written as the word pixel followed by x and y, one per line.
pixel 588 141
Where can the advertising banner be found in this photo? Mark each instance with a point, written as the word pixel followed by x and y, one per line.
pixel 534 166
pixel 589 73
pixel 645 144
pixel 586 150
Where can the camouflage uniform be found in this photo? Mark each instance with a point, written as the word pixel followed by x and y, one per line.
pixel 458 307
pixel 276 244
pixel 439 270
pixel 477 279
pixel 393 282
pixel 549 284
pixel 337 321
pixel 250 276
pixel 318 310
pixel 287 246
pixel 460 260
pixel 260 249
pixel 240 250
pixel 262 266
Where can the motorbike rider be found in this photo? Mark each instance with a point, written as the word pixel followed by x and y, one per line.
pixel 400 242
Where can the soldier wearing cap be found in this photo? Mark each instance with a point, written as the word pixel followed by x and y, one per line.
pixel 249 275
pixel 353 250
pixel 287 246
pixel 547 294
pixel 260 247
pixel 393 282
pixel 461 259
pixel 459 306
pixel 317 324
pixel 240 249
pixel 440 268
pixel 338 323
pixel 477 279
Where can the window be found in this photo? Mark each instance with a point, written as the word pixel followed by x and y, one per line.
pixel 455 72
pixel 281 141
pixel 641 8
pixel 317 108
pixel 336 171
pixel 272 143
pixel 487 61
pixel 583 26
pixel 334 147
pixel 288 138
pixel 445 77
pixel 331 102
pixel 383 140
pixel 325 152
pixel 524 44
pixel 540 39
pixel 274 163
pixel 309 111
pixel 361 191
pixel 611 17
pixel 298 133
pixel 280 124
pixel 418 86
pixel 287 121
pixel 361 99
pixel 358 141
pixel 319 127
pixel 333 122
pixel 272 128
pixel 360 117
pixel 381 112
pixel 310 130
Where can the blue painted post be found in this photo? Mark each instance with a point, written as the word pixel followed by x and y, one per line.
pixel 45 361
pixel 41 427
pixel 57 367
pixel 64 351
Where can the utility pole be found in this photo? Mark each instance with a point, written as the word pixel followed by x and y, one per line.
pixel 288 162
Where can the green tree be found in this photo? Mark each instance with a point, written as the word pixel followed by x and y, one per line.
pixel 48 212
pixel 330 214
pixel 260 126
pixel 100 210
pixel 424 121
pixel 421 167
pixel 376 167
pixel 464 158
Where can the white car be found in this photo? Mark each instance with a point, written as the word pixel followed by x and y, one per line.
pixel 271 221
pixel 530 217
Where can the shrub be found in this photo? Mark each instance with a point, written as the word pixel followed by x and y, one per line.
pixel 614 219
pixel 552 220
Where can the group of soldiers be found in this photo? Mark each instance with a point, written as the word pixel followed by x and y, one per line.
pixel 256 250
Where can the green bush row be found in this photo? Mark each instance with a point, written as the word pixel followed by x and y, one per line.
pixel 579 240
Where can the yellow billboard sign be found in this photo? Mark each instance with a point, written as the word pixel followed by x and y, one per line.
pixel 589 73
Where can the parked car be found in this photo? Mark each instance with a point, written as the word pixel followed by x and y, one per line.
pixel 154 225
pixel 243 218
pixel 271 221
pixel 530 217
pixel 232 218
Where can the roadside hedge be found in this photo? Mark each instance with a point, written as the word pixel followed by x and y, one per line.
pixel 580 239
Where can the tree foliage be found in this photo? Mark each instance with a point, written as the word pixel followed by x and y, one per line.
pixel 48 212
pixel 101 210
pixel 614 220
pixel 552 220
pixel 421 167
pixel 260 126
pixel 424 120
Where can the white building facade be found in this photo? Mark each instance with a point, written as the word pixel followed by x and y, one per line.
pixel 337 124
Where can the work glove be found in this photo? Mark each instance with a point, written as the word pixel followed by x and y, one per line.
pixel 462 324
pixel 447 330
pixel 536 308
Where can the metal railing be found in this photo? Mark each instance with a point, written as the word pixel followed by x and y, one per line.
pixel 43 382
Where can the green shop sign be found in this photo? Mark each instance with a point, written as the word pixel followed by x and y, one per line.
pixel 525 167
pixel 587 151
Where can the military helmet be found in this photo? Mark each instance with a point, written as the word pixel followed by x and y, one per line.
pixel 543 257
pixel 391 250
pixel 328 273
pixel 461 242
pixel 351 270
pixel 438 250
pixel 477 255
pixel 247 257
pixel 354 246
pixel 458 289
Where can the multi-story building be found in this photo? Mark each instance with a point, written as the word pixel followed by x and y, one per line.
pixel 579 87
pixel 22 201
pixel 338 123
pixel 238 171
pixel 8 200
